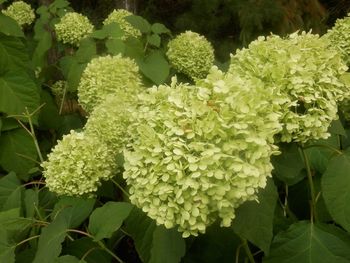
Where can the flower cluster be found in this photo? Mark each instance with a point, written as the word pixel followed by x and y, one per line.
pixel 109 122
pixel 191 54
pixel 58 88
pixel 339 36
pixel 77 164
pixel 307 71
pixel 72 28
pixel 105 76
pixel 118 16
pixel 21 12
pixel 198 152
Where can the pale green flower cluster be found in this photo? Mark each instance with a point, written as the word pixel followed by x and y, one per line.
pixel 109 122
pixel 72 28
pixel 306 71
pixel 21 12
pixel 118 16
pixel 58 88
pixel 191 54
pixel 77 165
pixel 339 35
pixel 106 76
pixel 198 152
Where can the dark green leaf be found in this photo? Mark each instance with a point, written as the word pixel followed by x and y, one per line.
pixel 115 46
pixel 7 251
pixel 11 221
pixel 69 259
pixel 305 242
pixel 289 164
pixel 337 128
pixel 158 28
pixel 108 218
pixel 254 220
pixel 75 209
pixel 141 229
pixel 167 246
pixel 10 27
pixel 49 117
pixel 43 46
pixel 335 188
pixel 72 71
pixel 139 23
pixel 10 197
pixel 155 67
pixel 18 151
pixel 86 51
pixel 154 40
pixel 31 201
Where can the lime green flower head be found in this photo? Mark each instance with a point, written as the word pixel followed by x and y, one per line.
pixel 339 35
pixel 109 122
pixel 77 164
pixel 118 16
pixel 21 12
pixel 199 152
pixel 306 70
pixel 106 76
pixel 72 28
pixel 191 54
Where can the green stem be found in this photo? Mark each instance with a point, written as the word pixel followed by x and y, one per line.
pixel 34 137
pixel 121 188
pixel 247 250
pixel 109 252
pixel 311 185
pixel 26 240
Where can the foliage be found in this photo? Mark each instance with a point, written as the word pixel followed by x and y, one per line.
pixel 108 153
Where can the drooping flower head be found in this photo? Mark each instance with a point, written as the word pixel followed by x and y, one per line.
pixel 72 28
pixel 118 16
pixel 198 152
pixel 191 54
pixel 21 12
pixel 307 71
pixel 77 165
pixel 106 76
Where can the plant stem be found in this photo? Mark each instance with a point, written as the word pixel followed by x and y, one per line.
pixel 121 188
pixel 311 185
pixel 247 250
pixel 34 137
pixel 109 252
pixel 26 240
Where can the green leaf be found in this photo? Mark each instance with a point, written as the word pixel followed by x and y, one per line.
pixel 86 51
pixel 43 46
pixel 289 164
pixel 167 246
pixel 75 209
pixel 10 192
pixel 155 67
pixel 154 40
pixel 111 30
pixel 158 28
pixel 337 128
pixel 18 151
pixel 115 46
pixel 105 220
pixel 254 220
pixel 335 185
pixel 49 117
pixel 11 221
pixel 10 27
pixel 72 71
pixel 31 201
pixel 69 259
pixel 7 251
pixel 141 228
pixel 139 23
pixel 50 240
pixel 305 242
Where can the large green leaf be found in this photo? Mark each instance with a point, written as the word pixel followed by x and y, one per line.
pixel 305 242
pixel 139 23
pixel 69 259
pixel 254 220
pixel 50 241
pixel 75 209
pixel 10 192
pixel 31 202
pixel 289 164
pixel 43 46
pixel 108 218
pixel 49 117
pixel 12 222
pixel 167 246
pixel 155 67
pixel 17 152
pixel 72 70
pixel 335 188
pixel 17 92
pixel 141 229
pixel 7 251
pixel 86 51
pixel 10 27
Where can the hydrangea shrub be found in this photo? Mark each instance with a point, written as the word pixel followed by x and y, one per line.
pixel 72 28
pixel 304 69
pixel 77 165
pixel 191 54
pixel 21 12
pixel 198 152
pixel 106 76
pixel 118 16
